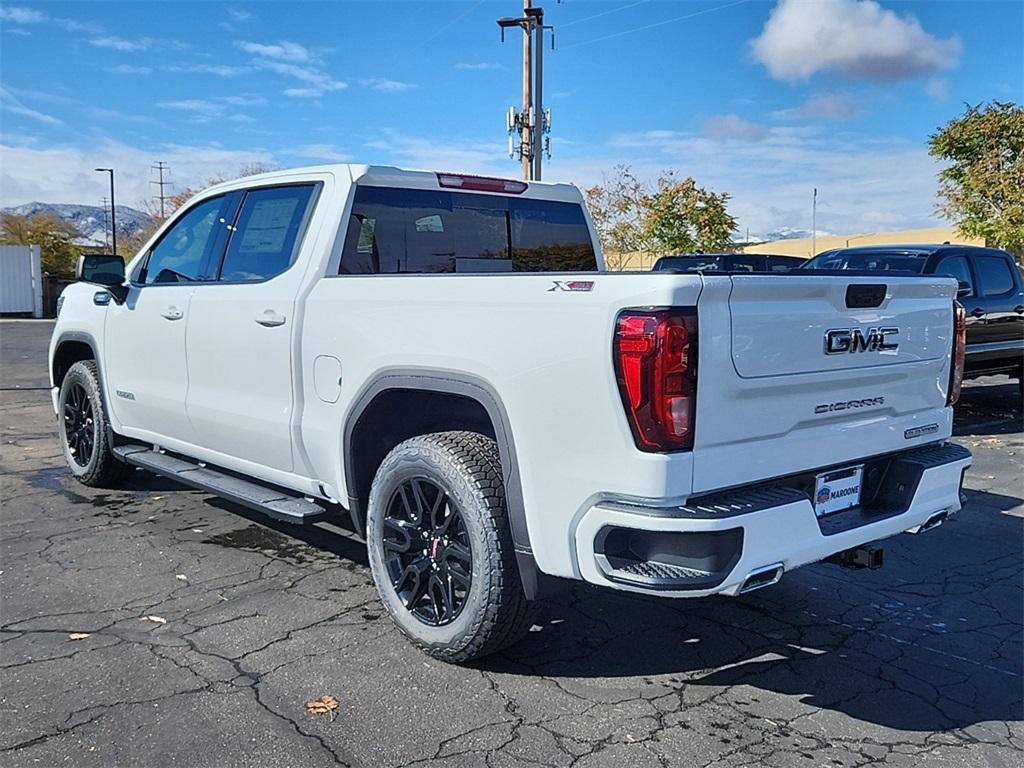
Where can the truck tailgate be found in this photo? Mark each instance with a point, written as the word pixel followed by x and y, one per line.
pixel 813 371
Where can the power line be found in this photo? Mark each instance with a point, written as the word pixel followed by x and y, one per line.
pixel 106 221
pixel 450 23
pixel 604 13
pixel 160 166
pixel 655 24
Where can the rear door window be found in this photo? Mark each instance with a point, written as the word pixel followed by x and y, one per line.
pixel 872 261
pixel 266 232
pixel 396 231
pixel 740 263
pixel 956 266
pixel 994 275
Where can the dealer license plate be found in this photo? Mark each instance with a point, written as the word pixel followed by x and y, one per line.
pixel 837 490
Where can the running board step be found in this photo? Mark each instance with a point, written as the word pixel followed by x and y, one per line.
pixel 274 502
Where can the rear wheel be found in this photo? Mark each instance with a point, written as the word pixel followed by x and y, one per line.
pixel 440 547
pixel 83 429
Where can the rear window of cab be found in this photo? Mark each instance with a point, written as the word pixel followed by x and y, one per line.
pixel 403 231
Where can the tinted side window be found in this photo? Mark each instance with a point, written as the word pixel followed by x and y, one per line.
pixel 994 275
pixel 181 254
pixel 416 231
pixel 956 266
pixel 783 263
pixel 550 237
pixel 263 241
pixel 738 263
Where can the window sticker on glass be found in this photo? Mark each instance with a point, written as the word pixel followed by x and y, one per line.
pixel 268 225
pixel 429 224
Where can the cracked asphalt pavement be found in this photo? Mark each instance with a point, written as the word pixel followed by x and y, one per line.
pixel 918 663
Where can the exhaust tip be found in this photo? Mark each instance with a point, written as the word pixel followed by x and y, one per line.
pixel 937 519
pixel 764 576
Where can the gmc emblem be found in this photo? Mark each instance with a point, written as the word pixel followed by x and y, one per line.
pixel 842 340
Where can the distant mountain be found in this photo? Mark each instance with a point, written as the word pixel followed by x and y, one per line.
pixel 91 220
pixel 789 233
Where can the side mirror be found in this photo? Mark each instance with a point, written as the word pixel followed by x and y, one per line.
pixel 106 270
pixel 963 289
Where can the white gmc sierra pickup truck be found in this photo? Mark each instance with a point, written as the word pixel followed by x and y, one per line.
pixel 439 362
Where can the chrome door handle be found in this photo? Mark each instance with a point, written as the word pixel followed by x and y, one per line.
pixel 173 313
pixel 978 312
pixel 269 318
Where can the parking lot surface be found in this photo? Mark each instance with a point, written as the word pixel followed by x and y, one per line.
pixel 208 631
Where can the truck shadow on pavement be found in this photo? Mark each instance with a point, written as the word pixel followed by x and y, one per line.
pixel 992 409
pixel 915 646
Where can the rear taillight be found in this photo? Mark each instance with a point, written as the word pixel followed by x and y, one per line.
pixel 656 367
pixel 956 374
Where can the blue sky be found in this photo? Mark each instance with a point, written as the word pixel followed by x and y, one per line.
pixel 762 99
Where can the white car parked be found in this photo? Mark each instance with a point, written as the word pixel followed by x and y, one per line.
pixel 440 361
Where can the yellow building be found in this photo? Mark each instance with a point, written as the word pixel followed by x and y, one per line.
pixel 803 246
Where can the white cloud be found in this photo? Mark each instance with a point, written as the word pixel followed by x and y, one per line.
pixel 864 184
pixel 120 43
pixel 937 88
pixel 10 103
pixel 479 66
pixel 220 108
pixel 387 86
pixel 856 38
pixel 238 14
pixel 325 152
pixel 733 128
pixel 420 152
pixel 131 69
pixel 317 83
pixel 23 15
pixel 282 51
pixel 834 105
pixel 65 174
pixel 221 70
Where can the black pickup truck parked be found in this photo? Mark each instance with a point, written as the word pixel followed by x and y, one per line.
pixel 727 262
pixel 991 290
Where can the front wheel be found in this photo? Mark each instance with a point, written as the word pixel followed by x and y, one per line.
pixel 441 549
pixel 82 426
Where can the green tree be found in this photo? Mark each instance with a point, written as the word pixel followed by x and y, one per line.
pixel 673 216
pixel 681 217
pixel 983 185
pixel 55 238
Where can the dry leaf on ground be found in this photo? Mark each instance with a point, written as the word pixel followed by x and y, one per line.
pixel 155 619
pixel 325 705
pixel 78 635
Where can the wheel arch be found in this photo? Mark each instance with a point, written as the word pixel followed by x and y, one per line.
pixel 457 401
pixel 73 347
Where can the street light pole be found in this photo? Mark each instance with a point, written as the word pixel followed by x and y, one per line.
pixel 113 210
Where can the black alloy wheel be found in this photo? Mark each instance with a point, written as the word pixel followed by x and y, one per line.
pixel 427 552
pixel 79 425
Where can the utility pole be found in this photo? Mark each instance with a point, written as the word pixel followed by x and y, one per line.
pixel 538 87
pixel 160 166
pixel 106 223
pixel 113 210
pixel 814 224
pixel 531 122
pixel 525 139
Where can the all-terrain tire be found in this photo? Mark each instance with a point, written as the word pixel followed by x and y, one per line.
pixel 495 612
pixel 80 394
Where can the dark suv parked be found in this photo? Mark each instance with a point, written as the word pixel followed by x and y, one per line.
pixel 727 262
pixel 991 290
